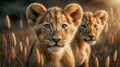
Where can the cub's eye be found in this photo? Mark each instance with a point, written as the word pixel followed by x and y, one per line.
pixel 84 26
pixel 47 26
pixel 64 26
pixel 95 25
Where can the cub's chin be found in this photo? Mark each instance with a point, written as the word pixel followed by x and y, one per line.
pixel 91 42
pixel 55 49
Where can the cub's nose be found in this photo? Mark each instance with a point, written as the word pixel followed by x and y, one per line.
pixel 56 39
pixel 91 36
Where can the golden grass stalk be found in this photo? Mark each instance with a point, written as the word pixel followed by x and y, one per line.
pixel 37 55
pixel 27 41
pixel 111 11
pixel 42 60
pixel 21 24
pixel 8 22
pixel 13 53
pixel 112 38
pixel 4 41
pixel 107 63
pixel 21 47
pixel 118 12
pixel 115 56
pixel 13 37
pixel 9 59
pixel 106 27
pixel 25 53
pixel 97 62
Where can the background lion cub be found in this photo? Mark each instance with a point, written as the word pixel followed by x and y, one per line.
pixel 55 29
pixel 87 34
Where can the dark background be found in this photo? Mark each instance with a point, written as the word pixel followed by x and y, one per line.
pixel 16 8
pixel 106 46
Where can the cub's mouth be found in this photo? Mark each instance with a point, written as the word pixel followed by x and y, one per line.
pixel 90 41
pixel 89 38
pixel 55 47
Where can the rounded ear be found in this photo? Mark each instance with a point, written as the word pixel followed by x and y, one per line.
pixel 103 15
pixel 75 12
pixel 34 11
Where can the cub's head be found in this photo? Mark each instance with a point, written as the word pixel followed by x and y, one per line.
pixel 92 25
pixel 54 27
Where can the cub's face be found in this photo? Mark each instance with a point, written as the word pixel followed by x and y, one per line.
pixel 56 27
pixel 92 25
pixel 54 30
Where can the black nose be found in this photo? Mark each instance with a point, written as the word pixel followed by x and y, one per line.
pixel 91 36
pixel 56 39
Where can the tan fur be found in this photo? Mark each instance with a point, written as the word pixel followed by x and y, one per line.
pixel 92 24
pixel 55 29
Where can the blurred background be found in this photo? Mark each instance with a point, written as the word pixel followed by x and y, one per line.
pixel 106 52
pixel 16 9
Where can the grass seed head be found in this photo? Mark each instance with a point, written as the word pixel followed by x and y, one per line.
pixel 107 63
pixel 37 55
pixel 8 22
pixel 13 53
pixel 97 62
pixel 115 56
pixel 21 46
pixel 27 41
pixel 4 41
pixel 21 24
pixel 13 37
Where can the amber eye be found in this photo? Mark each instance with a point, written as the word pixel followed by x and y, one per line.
pixel 84 26
pixel 64 26
pixel 47 26
pixel 95 25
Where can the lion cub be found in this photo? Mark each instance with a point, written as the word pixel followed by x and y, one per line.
pixel 55 29
pixel 87 34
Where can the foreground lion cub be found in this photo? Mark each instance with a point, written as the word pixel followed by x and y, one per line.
pixel 55 29
pixel 87 34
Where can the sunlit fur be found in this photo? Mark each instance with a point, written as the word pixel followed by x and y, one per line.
pixel 47 25
pixel 81 42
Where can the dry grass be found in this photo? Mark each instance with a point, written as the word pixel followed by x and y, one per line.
pixel 97 62
pixel 14 43
pixel 25 54
pixel 8 22
pixel 13 38
pixel 115 56
pixel 13 53
pixel 107 62
pixel 27 41
pixel 21 46
pixel 21 24
pixel 107 49
pixel 37 55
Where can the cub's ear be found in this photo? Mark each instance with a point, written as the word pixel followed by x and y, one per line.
pixel 74 12
pixel 33 12
pixel 103 15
